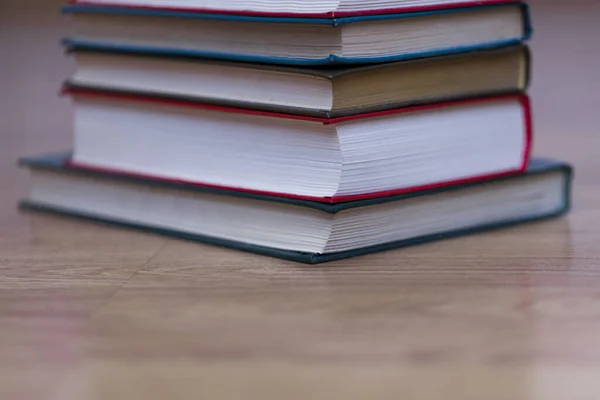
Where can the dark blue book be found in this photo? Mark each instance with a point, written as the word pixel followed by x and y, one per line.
pixel 294 229
pixel 298 40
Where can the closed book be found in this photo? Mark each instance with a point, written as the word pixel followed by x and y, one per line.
pixel 305 8
pixel 295 229
pixel 299 40
pixel 325 159
pixel 328 92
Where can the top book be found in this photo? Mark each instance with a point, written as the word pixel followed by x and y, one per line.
pixel 297 40
pixel 320 8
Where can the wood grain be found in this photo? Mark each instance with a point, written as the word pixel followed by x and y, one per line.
pixel 93 312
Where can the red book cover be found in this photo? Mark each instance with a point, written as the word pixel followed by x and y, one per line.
pixel 522 98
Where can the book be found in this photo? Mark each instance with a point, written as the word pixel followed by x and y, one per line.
pixel 324 159
pixel 309 8
pixel 298 40
pixel 325 92
pixel 293 229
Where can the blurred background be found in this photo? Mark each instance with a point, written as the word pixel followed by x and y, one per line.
pixel 565 92
pixel 565 86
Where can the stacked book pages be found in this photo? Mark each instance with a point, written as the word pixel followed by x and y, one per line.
pixel 306 130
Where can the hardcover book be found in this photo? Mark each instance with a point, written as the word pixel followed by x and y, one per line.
pixel 299 40
pixel 307 8
pixel 323 92
pixel 325 159
pixel 294 229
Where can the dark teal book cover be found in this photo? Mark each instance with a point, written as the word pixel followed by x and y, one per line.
pixel 282 59
pixel 537 167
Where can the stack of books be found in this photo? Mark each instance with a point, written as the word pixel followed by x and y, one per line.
pixel 306 130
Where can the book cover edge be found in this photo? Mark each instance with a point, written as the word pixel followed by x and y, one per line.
pixel 60 163
pixel 333 18
pixel 301 257
pixel 331 60
pixel 75 90
pixel 329 73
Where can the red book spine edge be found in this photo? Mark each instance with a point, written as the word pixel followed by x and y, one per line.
pixel 528 121
pixel 149 99
pixel 332 14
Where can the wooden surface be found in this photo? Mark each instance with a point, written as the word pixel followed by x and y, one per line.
pixel 91 312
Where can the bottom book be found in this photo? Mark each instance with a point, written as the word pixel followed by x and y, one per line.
pixel 298 230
